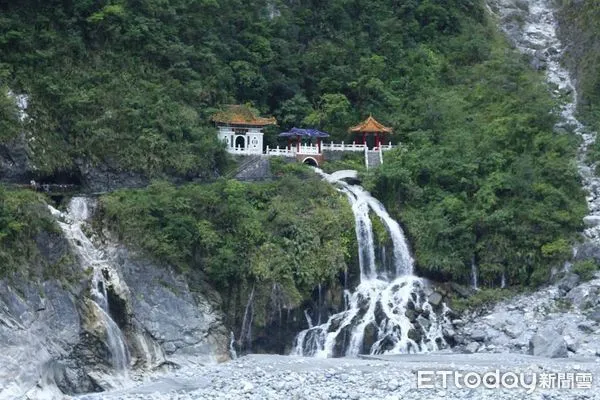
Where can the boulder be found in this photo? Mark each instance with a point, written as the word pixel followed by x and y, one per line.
pixel 568 282
pixel 548 343
pixel 592 220
pixel 462 291
pixel 478 335
pixel 595 315
pixel 583 297
pixel 435 299
pixel 586 327
pixel 472 347
pixel 424 322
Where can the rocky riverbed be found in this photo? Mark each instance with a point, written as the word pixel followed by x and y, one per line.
pixel 386 377
pixel 561 320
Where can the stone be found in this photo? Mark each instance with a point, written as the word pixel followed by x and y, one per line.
pixel 424 322
pixel 583 297
pixel 586 327
pixel 463 291
pixel 595 315
pixel 592 220
pixel 478 335
pixel 435 299
pixel 472 347
pixel 548 343
pixel 568 282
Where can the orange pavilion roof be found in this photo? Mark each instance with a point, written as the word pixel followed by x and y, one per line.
pixel 241 115
pixel 370 125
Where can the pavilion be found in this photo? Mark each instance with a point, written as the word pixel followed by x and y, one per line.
pixel 371 127
pixel 299 133
pixel 241 129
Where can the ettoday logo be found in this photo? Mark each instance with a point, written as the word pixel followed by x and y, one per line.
pixel 428 379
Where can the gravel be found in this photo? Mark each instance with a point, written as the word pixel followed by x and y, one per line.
pixel 385 377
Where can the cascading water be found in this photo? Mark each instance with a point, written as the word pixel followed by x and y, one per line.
pixel 474 275
pixel 536 35
pixel 388 312
pixel 71 223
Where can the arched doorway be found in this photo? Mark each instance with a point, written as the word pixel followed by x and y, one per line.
pixel 240 142
pixel 310 161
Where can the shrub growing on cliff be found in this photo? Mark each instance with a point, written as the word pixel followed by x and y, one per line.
pixel 23 215
pixel 293 232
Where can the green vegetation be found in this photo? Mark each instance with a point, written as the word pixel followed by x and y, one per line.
pixel 586 269
pixel 481 299
pixel 291 234
pixel 483 176
pixel 132 84
pixel 355 161
pixel 23 215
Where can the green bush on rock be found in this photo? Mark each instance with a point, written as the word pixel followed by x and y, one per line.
pixel 287 235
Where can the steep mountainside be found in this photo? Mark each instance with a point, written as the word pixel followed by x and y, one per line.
pixel 118 94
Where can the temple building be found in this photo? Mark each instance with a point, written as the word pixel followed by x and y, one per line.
pixel 241 129
pixel 371 128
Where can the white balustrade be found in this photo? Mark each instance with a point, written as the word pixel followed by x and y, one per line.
pixel 309 149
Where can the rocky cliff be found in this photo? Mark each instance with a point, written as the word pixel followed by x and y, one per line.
pixel 56 339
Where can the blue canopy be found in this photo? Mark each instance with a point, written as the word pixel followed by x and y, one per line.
pixel 310 133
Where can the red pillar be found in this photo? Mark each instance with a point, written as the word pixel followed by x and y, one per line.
pixel 364 138
pixel 319 144
pixel 297 144
pixel 377 140
pixel 289 146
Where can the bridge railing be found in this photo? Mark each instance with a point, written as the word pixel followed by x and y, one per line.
pixel 309 149
pixel 343 146
pixel 279 151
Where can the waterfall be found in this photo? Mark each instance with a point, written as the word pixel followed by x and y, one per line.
pixel 474 273
pixel 537 36
pixel 232 352
pixel 246 331
pixel 92 258
pixel 384 314
pixel 308 319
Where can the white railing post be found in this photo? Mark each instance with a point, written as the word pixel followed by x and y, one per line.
pixel 380 156
pixel 366 158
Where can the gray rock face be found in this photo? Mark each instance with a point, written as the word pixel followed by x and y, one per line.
pixel 102 178
pixel 50 333
pixel 548 344
pixel 14 161
pixel 253 168
pixel 183 321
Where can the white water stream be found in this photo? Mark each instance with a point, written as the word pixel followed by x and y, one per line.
pixel 92 258
pixel 385 303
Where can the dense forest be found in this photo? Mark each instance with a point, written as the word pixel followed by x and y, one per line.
pixel 481 175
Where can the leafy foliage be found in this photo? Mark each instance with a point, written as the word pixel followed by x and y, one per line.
pixel 294 232
pixel 484 178
pixel 132 83
pixel 586 269
pixel 23 215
